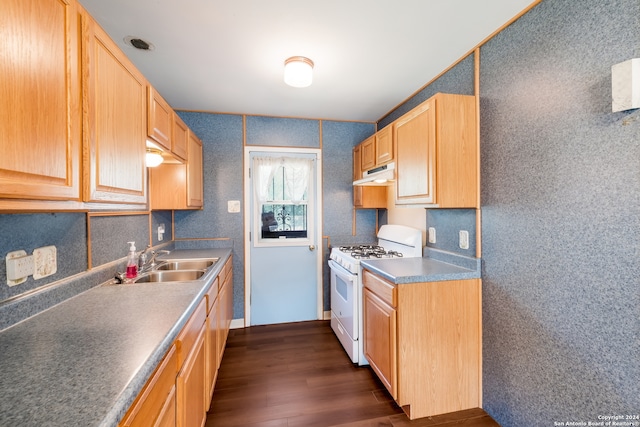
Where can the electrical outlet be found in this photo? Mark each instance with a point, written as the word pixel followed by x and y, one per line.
pixel 160 232
pixel 432 235
pixel 19 267
pixel 464 239
pixel 45 262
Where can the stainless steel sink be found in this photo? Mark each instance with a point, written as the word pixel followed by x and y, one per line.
pixel 186 264
pixel 170 276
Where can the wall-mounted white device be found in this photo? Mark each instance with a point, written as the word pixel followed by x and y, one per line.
pixel 625 85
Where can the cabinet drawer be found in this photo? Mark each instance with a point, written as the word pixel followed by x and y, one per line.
pixel 187 338
pixel 384 289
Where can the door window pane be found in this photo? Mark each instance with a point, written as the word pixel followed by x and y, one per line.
pixel 282 217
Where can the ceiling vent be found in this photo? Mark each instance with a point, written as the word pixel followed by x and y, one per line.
pixel 138 43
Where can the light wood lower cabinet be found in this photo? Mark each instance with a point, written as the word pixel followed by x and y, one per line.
pixel 191 389
pixel 156 404
pixel 179 392
pixel 424 342
pixel 381 341
pixel 211 340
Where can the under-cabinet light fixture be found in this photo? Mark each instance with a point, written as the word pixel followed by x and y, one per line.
pixel 153 158
pixel 298 71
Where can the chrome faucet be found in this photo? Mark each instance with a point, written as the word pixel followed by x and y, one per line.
pixel 145 264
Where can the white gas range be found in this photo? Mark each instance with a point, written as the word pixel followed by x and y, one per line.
pixel 346 281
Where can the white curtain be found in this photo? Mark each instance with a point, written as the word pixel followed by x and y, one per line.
pixel 297 172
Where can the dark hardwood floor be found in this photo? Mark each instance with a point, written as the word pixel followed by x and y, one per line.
pixel 298 375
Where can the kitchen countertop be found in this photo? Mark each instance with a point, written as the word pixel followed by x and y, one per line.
pixel 436 267
pixel 84 361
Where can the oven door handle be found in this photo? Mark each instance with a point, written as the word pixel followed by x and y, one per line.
pixel 344 274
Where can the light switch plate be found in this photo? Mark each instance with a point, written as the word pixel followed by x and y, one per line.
pixel 45 262
pixel 233 206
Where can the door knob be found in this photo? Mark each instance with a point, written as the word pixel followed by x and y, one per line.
pixel 312 247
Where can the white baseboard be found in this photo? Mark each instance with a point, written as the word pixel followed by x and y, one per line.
pixel 239 323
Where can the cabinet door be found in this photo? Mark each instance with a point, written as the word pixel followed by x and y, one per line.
pixel 40 114
pixel 368 153
pixel 384 146
pixel 156 403
pixel 168 186
pixel 415 138
pixel 159 119
pixel 180 140
pixel 212 355
pixel 191 387
pixel 357 174
pixel 115 121
pixel 167 417
pixel 357 162
pixel 380 340
pixel 194 172
pixel 366 196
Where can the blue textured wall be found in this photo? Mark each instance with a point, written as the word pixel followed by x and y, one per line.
pixel 109 236
pixel 222 146
pixel 222 138
pixel 338 140
pixel 560 217
pixel 66 231
pixel 459 79
pixel 448 223
pixel 72 233
pixel 283 132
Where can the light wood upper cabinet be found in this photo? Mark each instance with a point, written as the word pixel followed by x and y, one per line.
pixel 40 114
pixel 115 121
pixel 423 340
pixel 368 153
pixel 159 119
pixel 194 172
pixel 437 153
pixel 384 146
pixel 180 140
pixel 415 156
pixel 377 150
pixel 366 197
pixel 175 185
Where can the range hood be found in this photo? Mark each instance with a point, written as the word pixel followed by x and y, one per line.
pixel 378 176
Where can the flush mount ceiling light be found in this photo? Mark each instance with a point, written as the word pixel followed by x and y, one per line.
pixel 298 71
pixel 153 158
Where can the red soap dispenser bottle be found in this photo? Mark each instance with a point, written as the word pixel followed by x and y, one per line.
pixel 132 261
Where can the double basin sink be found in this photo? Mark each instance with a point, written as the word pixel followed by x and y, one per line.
pixel 181 270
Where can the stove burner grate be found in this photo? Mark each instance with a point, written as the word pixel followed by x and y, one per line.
pixel 369 251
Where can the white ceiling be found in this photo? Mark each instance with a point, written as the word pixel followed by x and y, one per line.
pixel 227 55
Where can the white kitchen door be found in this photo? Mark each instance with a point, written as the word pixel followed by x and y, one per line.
pixel 284 254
